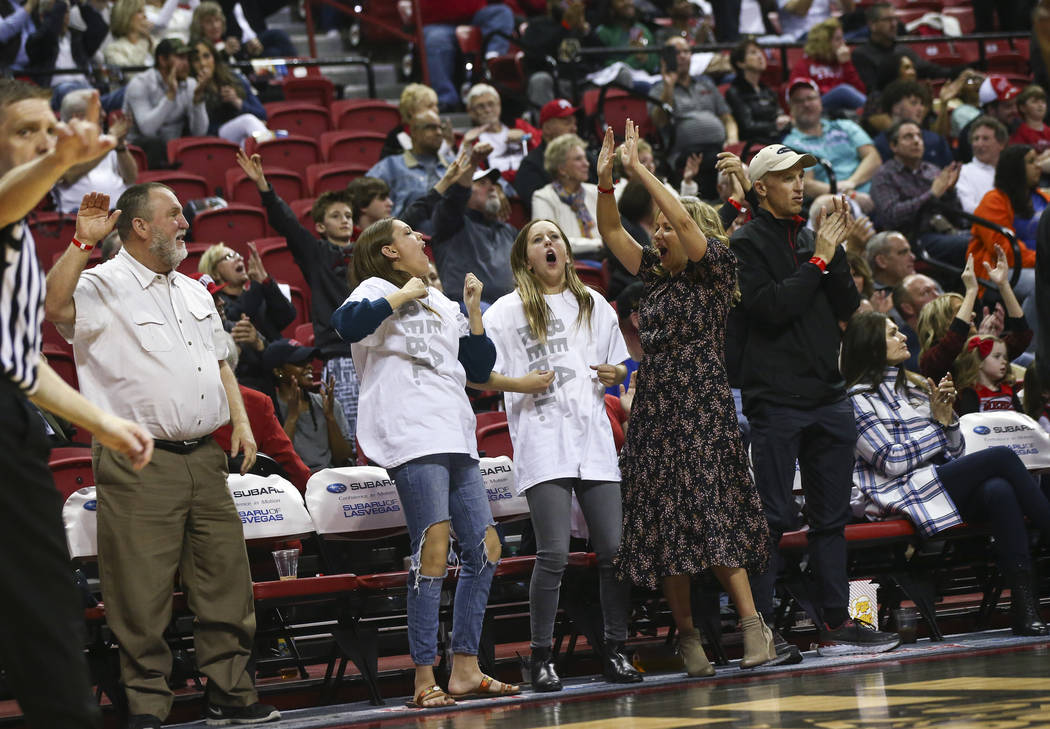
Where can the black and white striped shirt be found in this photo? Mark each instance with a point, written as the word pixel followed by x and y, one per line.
pixel 21 306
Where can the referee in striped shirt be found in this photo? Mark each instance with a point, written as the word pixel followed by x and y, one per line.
pixel 41 621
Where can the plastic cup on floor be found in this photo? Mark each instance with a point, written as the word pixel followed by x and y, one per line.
pixel 907 621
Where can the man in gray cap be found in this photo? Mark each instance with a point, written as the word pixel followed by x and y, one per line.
pixel 796 288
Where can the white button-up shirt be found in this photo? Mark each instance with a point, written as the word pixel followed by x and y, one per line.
pixel 147 348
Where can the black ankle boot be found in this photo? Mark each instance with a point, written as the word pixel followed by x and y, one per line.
pixel 544 677
pixel 616 666
pixel 1024 605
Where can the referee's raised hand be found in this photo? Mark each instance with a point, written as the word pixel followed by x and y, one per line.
pixel 81 140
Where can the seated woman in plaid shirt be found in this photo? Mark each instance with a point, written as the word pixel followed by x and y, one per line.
pixel 910 462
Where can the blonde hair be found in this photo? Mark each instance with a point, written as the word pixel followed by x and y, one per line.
pixel 706 218
pixel 210 260
pixel 618 170
pixel 935 319
pixel 121 15
pixel 967 365
pixel 818 42
pixel 530 290
pixel 205 10
pixel 412 98
pixel 558 150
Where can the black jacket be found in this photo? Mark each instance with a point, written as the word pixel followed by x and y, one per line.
pixel 755 111
pixel 791 349
pixel 42 44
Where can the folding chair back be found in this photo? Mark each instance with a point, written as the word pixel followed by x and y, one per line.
pixel 354 502
pixel 78 516
pixel 270 507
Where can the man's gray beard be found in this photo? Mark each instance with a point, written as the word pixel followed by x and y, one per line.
pixel 167 251
pixel 493 207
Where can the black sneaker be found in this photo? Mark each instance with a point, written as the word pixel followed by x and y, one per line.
pixel 855 637
pixel 256 713
pixel 788 654
pixel 143 721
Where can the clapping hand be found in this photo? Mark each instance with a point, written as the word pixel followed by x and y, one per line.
pixel 94 221
pixel 992 322
pixel 1000 275
pixel 256 272
pixel 627 395
pixel 692 166
pixel 831 228
pixel 244 333
pixel 629 153
pixel 79 140
pixel 328 397
pixel 969 278
pixel 942 400
pixel 605 159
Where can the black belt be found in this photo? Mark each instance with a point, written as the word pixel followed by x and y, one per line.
pixel 181 447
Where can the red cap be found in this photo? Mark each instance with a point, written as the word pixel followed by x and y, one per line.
pixel 209 282
pixel 996 88
pixel 796 82
pixel 557 109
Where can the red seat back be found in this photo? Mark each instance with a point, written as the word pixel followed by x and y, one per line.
pixel 191 264
pixel 72 471
pixel 494 440
pixel 186 185
pixel 332 176
pixel 233 224
pixel 309 89
pixel 290 153
pixel 288 185
pixel 61 361
pixel 365 115
pixel 208 157
pixel 52 233
pixel 301 209
pixel 348 145
pixel 591 276
pixel 278 261
pixel 299 118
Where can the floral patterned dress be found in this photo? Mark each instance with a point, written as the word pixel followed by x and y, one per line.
pixel 688 499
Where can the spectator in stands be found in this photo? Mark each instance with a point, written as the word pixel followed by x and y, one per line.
pixel 557 117
pixel 869 57
pixel 988 139
pixel 845 145
pixel 550 38
pixel 246 22
pixel 15 20
pixel 209 22
pixel 132 44
pixel 986 379
pixel 557 428
pixel 910 297
pixel 110 246
pixel 910 460
pixel 998 99
pixel 688 21
pixel 701 120
pixel 622 29
pixel 143 531
pixel 170 18
pixel 754 105
pixel 234 111
pixel 1031 103
pixel 508 145
pixel 826 60
pixel 253 305
pixel 468 232
pixel 861 272
pixel 569 200
pixel 370 201
pixel 439 19
pixel 688 274
pixel 890 257
pixel 314 421
pixel 910 101
pixel 915 197
pixel 49 677
pixel 323 256
pixel 1016 203
pixel 413 172
pixel 58 41
pixel 163 103
pixel 110 174
pixel 416 98
pixel 945 323
pixel 799 17
pixel 431 456
pixel 793 394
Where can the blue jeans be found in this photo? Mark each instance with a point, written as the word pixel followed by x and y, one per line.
pixel 440 47
pixel 843 97
pixel 435 489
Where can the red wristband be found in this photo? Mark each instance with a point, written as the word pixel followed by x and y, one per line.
pixel 82 246
pixel 819 263
pixel 605 190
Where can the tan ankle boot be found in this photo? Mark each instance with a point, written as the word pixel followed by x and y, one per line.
pixel 692 652
pixel 758 642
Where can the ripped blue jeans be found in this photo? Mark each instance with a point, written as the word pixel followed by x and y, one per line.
pixel 433 489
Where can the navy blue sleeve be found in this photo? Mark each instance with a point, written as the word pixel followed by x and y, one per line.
pixel 355 320
pixel 477 354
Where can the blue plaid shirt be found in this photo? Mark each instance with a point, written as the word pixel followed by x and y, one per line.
pixel 898 448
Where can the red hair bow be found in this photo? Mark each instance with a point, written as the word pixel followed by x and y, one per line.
pixel 983 346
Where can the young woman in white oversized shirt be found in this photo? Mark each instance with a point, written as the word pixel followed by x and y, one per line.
pixel 414 351
pixel 555 339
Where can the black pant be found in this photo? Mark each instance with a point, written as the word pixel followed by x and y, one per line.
pixel 41 619
pixel 727 20
pixel 822 439
pixel 993 487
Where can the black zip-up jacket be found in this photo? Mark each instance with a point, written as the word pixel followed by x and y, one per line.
pixel 755 111
pixel 793 310
pixel 323 264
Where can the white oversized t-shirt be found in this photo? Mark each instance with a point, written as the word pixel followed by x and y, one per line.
pixel 412 399
pixel 564 432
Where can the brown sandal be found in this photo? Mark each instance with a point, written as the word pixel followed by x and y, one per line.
pixel 482 690
pixel 428 694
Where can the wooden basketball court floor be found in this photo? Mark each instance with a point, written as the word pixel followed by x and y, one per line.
pixel 988 680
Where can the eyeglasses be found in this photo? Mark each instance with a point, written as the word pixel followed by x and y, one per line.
pixel 231 256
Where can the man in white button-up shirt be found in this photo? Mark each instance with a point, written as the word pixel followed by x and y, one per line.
pixel 148 343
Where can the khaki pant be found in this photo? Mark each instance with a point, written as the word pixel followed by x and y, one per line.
pixel 175 514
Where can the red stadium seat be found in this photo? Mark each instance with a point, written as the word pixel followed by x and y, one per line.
pixel 301 209
pixel 140 157
pixel 208 157
pixel 494 440
pixel 290 153
pixel 301 302
pixel 488 417
pixel 278 261
pixel 304 334
pixel 1004 58
pixel 194 251
pixel 71 469
pixel 61 361
pixel 298 118
pixel 518 216
pixel 365 115
pixel 186 185
pixel 943 53
pixel 52 233
pixel 349 145
pixel 332 176
pixel 232 224
pixel 309 89
pixel 591 276
pixel 287 184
